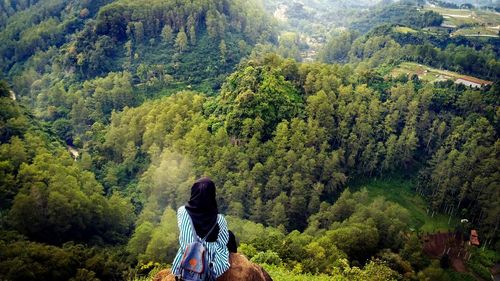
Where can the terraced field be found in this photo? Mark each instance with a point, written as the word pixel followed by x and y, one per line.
pixel 469 22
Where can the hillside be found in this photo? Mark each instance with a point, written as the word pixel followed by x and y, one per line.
pixel 433 75
pixel 344 140
pixel 389 45
pixel 309 23
pixel 185 44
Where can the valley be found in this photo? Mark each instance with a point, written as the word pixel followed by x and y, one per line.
pixel 347 140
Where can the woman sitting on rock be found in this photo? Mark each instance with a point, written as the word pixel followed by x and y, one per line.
pixel 201 212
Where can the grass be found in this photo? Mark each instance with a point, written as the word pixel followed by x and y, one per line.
pixel 476 31
pixel 461 16
pixel 427 73
pixel 449 11
pixel 400 191
pixel 424 73
pixel 404 29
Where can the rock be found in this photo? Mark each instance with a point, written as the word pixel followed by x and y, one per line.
pixel 241 269
pixel 164 275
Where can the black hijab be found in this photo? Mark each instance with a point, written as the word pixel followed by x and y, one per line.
pixel 202 208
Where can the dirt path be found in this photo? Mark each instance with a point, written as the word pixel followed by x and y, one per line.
pixel 457 16
pixel 74 152
pixel 458 265
pixel 480 35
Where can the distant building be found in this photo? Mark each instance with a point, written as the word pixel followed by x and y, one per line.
pixel 474 240
pixel 472 82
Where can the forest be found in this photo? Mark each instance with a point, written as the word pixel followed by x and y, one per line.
pixel 327 166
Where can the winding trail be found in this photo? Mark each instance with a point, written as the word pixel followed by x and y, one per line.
pixel 480 35
pixel 74 152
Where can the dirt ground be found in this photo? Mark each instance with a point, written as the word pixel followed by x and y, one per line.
pixel 438 244
pixel 495 271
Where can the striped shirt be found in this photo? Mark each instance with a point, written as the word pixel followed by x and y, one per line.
pixel 217 251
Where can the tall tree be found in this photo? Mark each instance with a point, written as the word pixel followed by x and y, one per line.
pixel 181 41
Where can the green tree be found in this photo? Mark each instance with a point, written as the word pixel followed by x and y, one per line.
pixel 181 41
pixel 164 239
pixel 139 32
pixel 278 215
pixel 4 89
pixel 167 34
pixel 223 51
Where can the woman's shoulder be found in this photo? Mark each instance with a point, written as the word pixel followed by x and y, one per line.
pixel 221 219
pixel 181 211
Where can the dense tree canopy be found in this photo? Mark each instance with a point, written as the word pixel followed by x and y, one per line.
pixel 111 110
pixel 343 130
pixel 401 12
pixel 50 196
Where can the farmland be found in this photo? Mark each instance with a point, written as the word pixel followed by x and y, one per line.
pixel 430 74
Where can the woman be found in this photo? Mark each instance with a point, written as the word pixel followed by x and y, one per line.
pixel 202 211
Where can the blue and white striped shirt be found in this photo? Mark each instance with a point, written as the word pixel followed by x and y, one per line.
pixel 217 251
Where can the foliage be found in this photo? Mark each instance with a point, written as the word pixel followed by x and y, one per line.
pixel 403 12
pixel 394 129
pixel 337 48
pixel 372 271
pixel 267 257
pixel 481 261
pixel 401 190
pixel 433 272
pixel 386 45
pixel 50 198
pixel 24 260
pixel 257 93
pixel 131 89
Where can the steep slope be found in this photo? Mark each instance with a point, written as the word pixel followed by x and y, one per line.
pixel 53 212
pixel 404 12
pixel 205 36
pixel 191 40
pixel 106 56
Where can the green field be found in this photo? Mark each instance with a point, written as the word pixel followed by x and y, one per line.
pixel 282 274
pixel 401 191
pixel 476 31
pixel 480 22
pixel 423 72
pixel 404 29
pixel 429 74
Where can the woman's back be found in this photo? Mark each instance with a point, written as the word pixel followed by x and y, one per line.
pixel 200 218
pixel 217 250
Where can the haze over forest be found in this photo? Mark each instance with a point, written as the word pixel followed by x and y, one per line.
pixel 348 140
